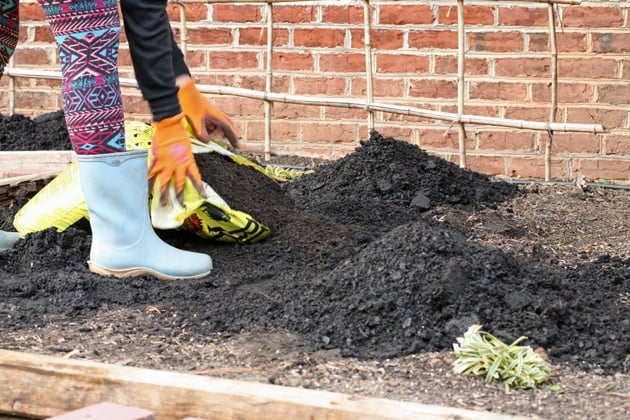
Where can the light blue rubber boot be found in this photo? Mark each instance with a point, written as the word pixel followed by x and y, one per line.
pixel 124 243
pixel 8 239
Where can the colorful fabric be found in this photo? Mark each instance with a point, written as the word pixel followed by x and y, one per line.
pixel 87 36
pixel 9 30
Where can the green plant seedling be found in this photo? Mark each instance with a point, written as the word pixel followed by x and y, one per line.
pixel 481 353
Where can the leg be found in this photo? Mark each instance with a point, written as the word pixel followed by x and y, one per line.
pixel 113 180
pixel 87 43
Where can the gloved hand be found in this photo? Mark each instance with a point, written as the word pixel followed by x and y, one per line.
pixel 205 120
pixel 9 30
pixel 173 160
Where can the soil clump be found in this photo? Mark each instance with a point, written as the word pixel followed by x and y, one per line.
pixel 377 261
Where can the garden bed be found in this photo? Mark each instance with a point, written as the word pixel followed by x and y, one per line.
pixel 377 263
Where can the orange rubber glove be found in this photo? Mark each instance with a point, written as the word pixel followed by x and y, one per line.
pixel 205 119
pixel 173 159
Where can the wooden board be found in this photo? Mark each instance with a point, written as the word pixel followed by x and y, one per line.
pixel 42 386
pixel 14 164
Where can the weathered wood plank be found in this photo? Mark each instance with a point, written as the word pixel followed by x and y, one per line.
pixel 44 386
pixel 13 164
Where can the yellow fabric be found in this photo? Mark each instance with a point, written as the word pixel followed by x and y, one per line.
pixel 60 204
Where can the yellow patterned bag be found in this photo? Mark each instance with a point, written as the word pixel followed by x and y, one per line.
pixel 60 204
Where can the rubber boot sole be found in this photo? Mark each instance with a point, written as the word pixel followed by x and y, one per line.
pixel 139 271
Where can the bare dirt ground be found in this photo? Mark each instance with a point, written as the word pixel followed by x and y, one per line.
pixel 376 264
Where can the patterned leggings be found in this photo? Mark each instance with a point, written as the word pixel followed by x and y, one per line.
pixel 87 36
pixel 9 27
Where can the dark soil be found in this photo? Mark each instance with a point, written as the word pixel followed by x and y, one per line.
pixel 377 263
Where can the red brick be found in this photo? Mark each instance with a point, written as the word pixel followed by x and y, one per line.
pixel 33 56
pixel 432 88
pixel 38 100
pixel 611 43
pixel 405 15
pixel 31 11
pixel 193 12
pixel 404 133
pixel 106 411
pixel 625 69
pixel 258 36
pixel 319 86
pixel 489 165
pixel 197 59
pixel 383 39
pixel 613 94
pixel 42 34
pixel 472 66
pixel 522 66
pixel 617 144
pixel 401 63
pixel 237 13
pixel 318 37
pixel 295 111
pixel 609 118
pixel 603 169
pixel 473 15
pixel 343 14
pixel 135 104
pixel 442 138
pixel 534 167
pixel 592 17
pixel 527 113
pixel 506 140
pixel 565 42
pixel 523 16
pixel 281 131
pixel 305 150
pixel 496 41
pixel 205 36
pixel 293 61
pixel 591 68
pixel 576 143
pixel 234 60
pixel 499 91
pixel 340 151
pixel 567 92
pixel 430 39
pixel 294 14
pixel 348 62
pixel 333 132
pixel 388 87
pixel 336 113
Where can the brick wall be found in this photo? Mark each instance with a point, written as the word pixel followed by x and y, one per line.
pixel 319 50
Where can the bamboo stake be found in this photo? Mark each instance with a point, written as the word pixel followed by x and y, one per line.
pixel 368 61
pixel 398 109
pixel 183 28
pixel 269 80
pixel 11 87
pixel 358 104
pixel 461 48
pixel 554 89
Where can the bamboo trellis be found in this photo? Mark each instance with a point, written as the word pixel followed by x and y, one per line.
pixel 368 104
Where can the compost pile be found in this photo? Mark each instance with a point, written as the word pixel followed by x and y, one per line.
pixel 361 259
